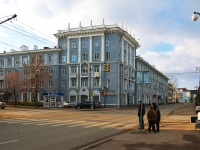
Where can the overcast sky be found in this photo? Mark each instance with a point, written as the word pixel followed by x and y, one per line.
pixel 168 37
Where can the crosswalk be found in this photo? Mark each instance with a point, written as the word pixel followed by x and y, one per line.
pixel 69 123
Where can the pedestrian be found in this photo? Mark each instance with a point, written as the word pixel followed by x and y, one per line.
pixel 154 106
pixel 151 117
pixel 141 112
pixel 158 120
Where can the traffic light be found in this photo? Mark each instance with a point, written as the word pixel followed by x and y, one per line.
pixel 108 67
pixel 105 67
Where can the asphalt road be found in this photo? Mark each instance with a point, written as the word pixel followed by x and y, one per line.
pixel 25 128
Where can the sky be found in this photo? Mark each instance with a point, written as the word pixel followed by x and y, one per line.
pixel 168 37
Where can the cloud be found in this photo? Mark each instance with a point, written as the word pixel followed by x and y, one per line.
pixel 152 22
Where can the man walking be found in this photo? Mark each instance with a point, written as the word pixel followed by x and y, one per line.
pixel 141 112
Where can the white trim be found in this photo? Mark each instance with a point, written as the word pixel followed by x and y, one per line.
pixel 68 50
pixel 102 47
pixel 79 49
pixel 90 50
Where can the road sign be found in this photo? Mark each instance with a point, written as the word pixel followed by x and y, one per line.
pixel 199 89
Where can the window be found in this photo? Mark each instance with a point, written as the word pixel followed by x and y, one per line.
pixel 2 74
pixel 96 56
pixel 73 70
pixel 63 83
pixel 85 57
pixel 73 82
pixel 9 84
pixel 42 59
pixel 96 82
pixel 84 82
pixel 25 60
pixel 63 71
pixel 9 62
pixel 1 84
pixel 50 84
pixel 41 83
pixel 63 46
pixel 96 69
pixel 9 72
pixel 74 57
pixel 107 83
pixel 107 56
pixel 85 70
pixel 73 45
pixel 96 43
pixel 85 44
pixel 63 58
pixel 107 42
pixel 51 58
pixel 2 62
pixel 24 84
pixel 50 71
pixel 16 61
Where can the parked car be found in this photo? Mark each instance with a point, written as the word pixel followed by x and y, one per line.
pixel 86 104
pixel 2 105
pixel 67 104
pixel 97 104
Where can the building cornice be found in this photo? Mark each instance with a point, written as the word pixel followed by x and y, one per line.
pixel 31 51
pixel 95 31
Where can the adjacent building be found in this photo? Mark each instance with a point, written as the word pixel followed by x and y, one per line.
pixel 154 87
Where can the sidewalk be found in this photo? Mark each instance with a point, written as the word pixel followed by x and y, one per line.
pixel 176 132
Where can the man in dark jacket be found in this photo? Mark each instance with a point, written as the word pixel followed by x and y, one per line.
pixel 158 119
pixel 141 112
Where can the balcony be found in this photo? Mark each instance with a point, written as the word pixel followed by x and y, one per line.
pixel 73 75
pixel 84 74
pixel 96 74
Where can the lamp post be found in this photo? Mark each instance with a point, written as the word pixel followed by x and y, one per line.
pixel 36 87
pixel 195 16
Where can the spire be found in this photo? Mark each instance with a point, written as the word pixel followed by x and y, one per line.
pixel 80 24
pixel 103 21
pixel 68 25
pixel 122 25
pixel 91 23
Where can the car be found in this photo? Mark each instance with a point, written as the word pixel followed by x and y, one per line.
pixel 67 104
pixel 2 105
pixel 97 104
pixel 87 104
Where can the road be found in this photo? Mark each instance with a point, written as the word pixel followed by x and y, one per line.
pixel 25 128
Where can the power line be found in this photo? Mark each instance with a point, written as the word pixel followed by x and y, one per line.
pixel 180 73
pixel 32 34
pixel 35 30
pixel 28 36
pixel 9 45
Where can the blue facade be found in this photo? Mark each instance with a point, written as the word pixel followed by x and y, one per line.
pixel 78 66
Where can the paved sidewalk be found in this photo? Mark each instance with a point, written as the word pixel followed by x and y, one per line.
pixel 176 133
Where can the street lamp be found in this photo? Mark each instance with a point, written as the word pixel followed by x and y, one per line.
pixel 36 86
pixel 195 16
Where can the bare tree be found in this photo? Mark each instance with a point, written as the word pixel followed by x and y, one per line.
pixel 14 82
pixel 36 73
pixel 173 80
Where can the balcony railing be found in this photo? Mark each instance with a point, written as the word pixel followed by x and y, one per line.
pixel 73 75
pixel 85 74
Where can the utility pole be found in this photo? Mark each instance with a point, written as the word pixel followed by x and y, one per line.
pixel 14 16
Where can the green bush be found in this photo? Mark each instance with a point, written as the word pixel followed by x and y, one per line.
pixel 38 104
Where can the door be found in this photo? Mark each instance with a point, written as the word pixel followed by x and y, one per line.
pixel 52 101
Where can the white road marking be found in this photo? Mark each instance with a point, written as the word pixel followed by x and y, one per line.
pixel 9 142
